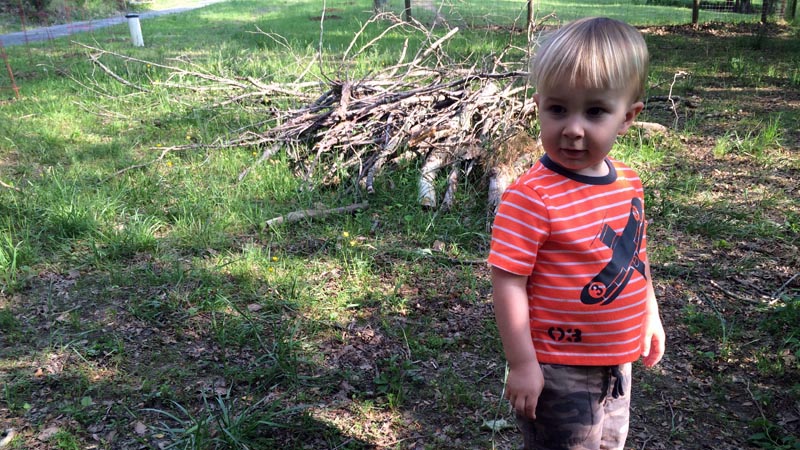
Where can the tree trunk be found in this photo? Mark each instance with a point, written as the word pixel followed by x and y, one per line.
pixel 407 11
pixel 695 12
pixel 792 10
pixel 765 7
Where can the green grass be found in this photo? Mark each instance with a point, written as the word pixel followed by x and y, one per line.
pixel 158 295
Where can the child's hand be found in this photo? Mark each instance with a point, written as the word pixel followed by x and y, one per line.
pixel 523 386
pixel 654 340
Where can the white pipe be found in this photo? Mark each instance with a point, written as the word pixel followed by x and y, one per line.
pixel 136 30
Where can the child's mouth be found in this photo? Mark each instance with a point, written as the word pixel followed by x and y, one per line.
pixel 573 152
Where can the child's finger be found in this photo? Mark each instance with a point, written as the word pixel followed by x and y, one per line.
pixel 528 408
pixel 653 357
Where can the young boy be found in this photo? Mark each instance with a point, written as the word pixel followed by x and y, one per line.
pixel 573 296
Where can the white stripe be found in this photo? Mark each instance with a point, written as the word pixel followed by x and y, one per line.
pixel 594 312
pixel 574 324
pixel 517 235
pixel 635 293
pixel 519 249
pixel 512 260
pixel 586 344
pixel 589 355
pixel 520 222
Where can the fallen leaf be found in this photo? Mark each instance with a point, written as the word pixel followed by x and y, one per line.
pixel 497 425
pixel 139 428
pixel 48 433
pixel 254 307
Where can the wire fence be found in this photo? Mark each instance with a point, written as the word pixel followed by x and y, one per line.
pixel 635 12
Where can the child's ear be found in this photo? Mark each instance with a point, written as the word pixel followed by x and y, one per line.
pixel 536 98
pixel 630 115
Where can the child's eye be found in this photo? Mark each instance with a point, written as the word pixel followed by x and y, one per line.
pixel 595 111
pixel 556 109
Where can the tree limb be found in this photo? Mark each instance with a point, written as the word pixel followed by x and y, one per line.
pixel 296 216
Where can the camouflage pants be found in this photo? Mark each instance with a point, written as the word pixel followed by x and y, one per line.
pixel 580 408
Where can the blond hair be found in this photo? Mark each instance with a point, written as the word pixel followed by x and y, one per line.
pixel 594 53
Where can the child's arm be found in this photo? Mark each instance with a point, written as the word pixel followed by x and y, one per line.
pixel 653 335
pixel 525 381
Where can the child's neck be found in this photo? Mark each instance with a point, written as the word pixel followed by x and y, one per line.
pixel 599 170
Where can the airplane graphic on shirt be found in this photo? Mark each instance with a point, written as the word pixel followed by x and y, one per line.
pixel 607 285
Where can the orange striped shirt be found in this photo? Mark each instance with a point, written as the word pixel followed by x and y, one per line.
pixel 581 242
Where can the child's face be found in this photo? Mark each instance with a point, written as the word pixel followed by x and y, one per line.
pixel 579 126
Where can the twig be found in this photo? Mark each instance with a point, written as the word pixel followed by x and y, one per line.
pixel 780 290
pixel 761 412
pixel 731 294
pixel 160 157
pixel 8 186
pixel 297 216
pixel 321 31
pixel 175 70
pixel 96 60
pixel 678 75
pixel 671 411
pixel 265 155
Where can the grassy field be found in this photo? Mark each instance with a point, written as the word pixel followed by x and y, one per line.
pixel 505 12
pixel 154 307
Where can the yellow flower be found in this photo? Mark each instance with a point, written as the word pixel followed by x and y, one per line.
pixel 353 243
pixel 169 163
pixel 188 137
pixel 158 145
pixel 271 269
pixel 274 258
pixel 345 234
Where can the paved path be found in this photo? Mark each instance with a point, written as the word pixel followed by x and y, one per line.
pixel 56 31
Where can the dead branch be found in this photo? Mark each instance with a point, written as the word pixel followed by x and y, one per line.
pixel 96 60
pixel 296 216
pixel 732 295
pixel 651 128
pixel 8 186
pixel 160 157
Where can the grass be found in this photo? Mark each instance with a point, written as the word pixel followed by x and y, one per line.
pixel 154 307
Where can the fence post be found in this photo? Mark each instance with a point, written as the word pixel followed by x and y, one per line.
pixel 13 86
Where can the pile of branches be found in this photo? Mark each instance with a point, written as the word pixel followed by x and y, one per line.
pixel 454 116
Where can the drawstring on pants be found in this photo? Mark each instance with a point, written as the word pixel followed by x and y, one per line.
pixel 618 390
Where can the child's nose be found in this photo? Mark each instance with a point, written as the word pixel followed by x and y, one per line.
pixel 573 128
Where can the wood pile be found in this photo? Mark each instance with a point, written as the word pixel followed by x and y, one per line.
pixel 454 117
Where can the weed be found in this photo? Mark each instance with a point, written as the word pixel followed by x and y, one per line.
pixel 702 324
pixel 771 436
pixel 224 423
pixel 136 234
pixel 457 393
pixel 64 440
pixel 394 379
pixel 17 395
